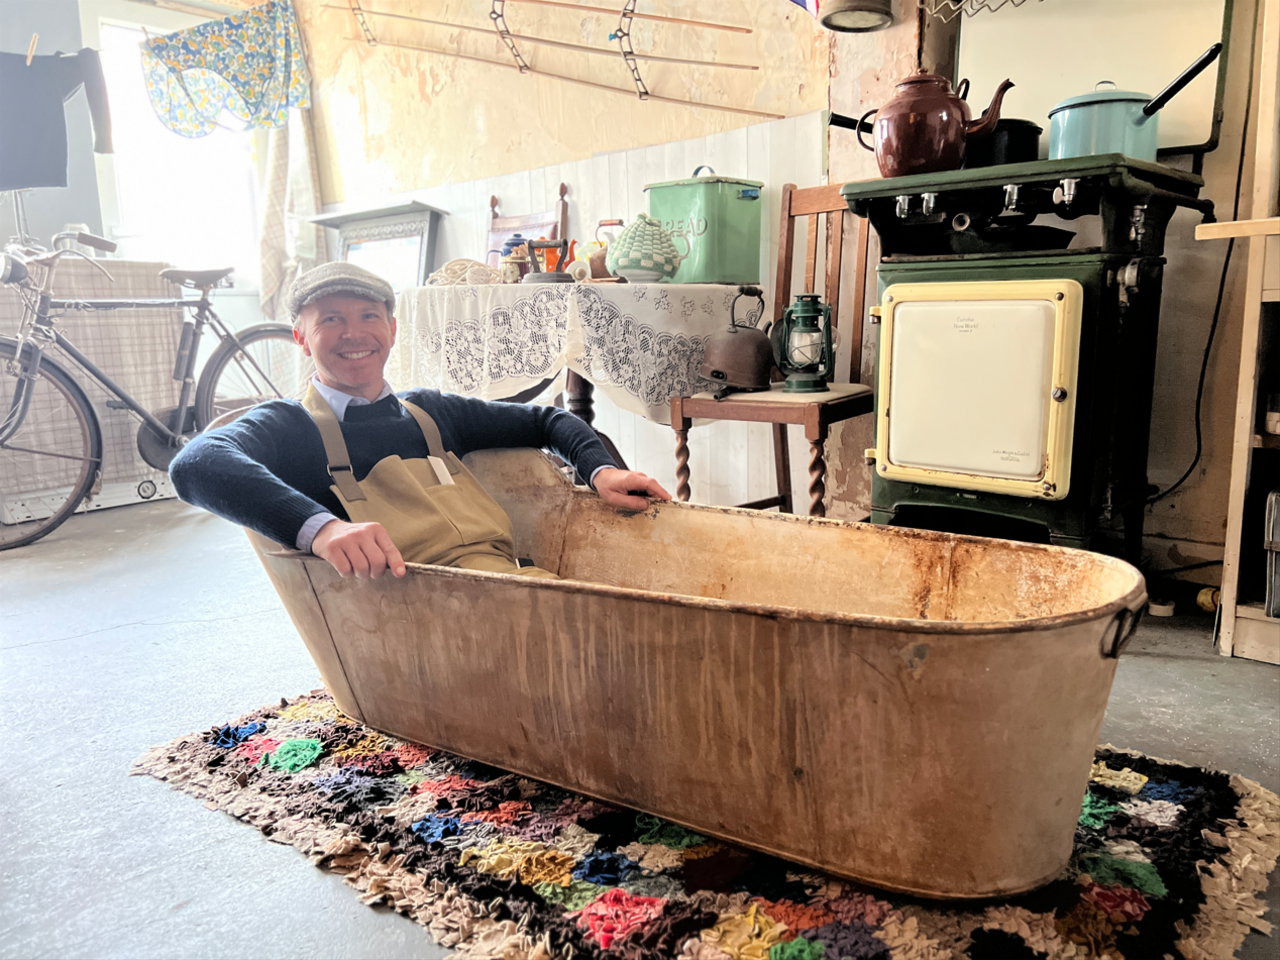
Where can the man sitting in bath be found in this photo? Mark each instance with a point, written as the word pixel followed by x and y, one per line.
pixel 366 478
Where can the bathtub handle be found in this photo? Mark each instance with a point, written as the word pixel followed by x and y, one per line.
pixel 1125 622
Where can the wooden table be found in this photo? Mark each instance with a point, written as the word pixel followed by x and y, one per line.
pixel 816 412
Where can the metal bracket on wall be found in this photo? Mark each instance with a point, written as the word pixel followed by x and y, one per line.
pixel 497 14
pixel 623 36
pixel 358 13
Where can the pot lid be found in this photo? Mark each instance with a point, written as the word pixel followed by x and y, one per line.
pixel 693 181
pixel 1009 123
pixel 1101 94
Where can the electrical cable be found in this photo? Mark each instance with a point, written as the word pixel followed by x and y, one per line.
pixel 1222 280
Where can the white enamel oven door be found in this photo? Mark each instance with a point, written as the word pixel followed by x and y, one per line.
pixel 978 382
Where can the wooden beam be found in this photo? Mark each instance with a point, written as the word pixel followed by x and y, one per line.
pixel 1266 227
pixel 1266 167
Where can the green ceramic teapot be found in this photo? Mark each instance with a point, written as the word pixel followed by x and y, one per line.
pixel 644 252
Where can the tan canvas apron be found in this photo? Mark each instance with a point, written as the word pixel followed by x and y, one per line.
pixel 434 510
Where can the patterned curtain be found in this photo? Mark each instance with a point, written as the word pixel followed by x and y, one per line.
pixel 250 64
pixel 288 242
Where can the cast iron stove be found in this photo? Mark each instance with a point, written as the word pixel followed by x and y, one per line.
pixel 966 241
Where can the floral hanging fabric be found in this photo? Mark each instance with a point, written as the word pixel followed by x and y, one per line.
pixel 250 64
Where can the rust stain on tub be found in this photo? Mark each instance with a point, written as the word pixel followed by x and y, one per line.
pixel 914 655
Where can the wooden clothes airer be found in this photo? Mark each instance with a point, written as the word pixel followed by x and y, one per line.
pixel 622 35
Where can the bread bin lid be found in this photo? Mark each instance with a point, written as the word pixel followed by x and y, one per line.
pixel 696 180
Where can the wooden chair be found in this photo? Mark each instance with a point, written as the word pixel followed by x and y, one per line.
pixel 815 412
pixel 552 224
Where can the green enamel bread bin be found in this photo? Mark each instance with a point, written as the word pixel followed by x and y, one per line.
pixel 720 219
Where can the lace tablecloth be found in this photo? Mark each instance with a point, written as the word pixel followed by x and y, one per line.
pixel 640 343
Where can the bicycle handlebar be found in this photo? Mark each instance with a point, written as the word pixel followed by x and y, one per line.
pixel 88 239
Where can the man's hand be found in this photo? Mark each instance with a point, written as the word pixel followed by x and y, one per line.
pixel 357 549
pixel 628 489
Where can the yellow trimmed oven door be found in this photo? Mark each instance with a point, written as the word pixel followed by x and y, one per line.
pixel 977 385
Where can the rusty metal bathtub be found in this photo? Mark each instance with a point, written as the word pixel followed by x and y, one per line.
pixel 914 710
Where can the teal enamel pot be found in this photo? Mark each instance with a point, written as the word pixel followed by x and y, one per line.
pixel 1116 121
pixel 1105 121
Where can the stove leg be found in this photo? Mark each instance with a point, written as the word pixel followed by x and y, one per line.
pixel 1134 517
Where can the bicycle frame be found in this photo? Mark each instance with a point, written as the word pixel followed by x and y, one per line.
pixel 42 331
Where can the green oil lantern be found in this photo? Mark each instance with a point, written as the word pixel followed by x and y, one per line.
pixel 802 345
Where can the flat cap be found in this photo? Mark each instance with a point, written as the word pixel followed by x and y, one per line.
pixel 338 277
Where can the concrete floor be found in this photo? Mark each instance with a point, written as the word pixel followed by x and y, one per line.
pixel 131 626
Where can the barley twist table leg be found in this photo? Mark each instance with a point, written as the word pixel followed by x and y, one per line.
pixel 817 478
pixel 682 464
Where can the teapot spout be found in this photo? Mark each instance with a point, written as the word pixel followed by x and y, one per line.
pixel 986 124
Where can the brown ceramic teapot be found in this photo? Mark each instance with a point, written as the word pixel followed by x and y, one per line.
pixel 924 127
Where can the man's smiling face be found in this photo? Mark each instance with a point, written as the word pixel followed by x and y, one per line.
pixel 349 339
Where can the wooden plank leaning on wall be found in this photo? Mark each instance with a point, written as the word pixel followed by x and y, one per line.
pixel 1244 630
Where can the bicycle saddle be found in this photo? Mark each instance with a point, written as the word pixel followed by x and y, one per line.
pixel 198 279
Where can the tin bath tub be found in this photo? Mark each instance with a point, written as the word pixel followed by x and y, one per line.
pixel 914 710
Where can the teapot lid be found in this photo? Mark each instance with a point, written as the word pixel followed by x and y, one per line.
pixel 924 76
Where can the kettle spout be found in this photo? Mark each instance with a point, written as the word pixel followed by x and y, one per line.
pixel 986 124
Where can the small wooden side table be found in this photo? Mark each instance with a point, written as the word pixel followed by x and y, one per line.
pixel 816 412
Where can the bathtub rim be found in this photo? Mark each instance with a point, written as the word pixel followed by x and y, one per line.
pixel 1132 601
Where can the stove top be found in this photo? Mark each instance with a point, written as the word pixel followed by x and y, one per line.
pixel 992 210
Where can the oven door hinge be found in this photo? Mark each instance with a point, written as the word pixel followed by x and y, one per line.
pixel 1129 281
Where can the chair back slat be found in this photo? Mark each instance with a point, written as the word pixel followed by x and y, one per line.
pixel 825 202
pixel 552 224
pixel 835 248
pixel 786 253
pixel 811 254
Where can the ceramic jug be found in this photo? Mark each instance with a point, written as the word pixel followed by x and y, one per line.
pixel 923 129
pixel 644 252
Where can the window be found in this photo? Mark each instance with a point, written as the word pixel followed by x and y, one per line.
pixel 165 197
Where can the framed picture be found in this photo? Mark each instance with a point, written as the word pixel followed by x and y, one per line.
pixel 397 243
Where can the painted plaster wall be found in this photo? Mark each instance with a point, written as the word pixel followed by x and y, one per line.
pixel 864 70
pixel 390 120
pixel 1189 526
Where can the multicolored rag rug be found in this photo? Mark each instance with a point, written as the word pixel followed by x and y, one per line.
pixel 1169 859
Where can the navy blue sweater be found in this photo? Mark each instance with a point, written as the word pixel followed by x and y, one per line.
pixel 267 471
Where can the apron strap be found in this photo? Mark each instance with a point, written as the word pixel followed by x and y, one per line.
pixel 335 448
pixel 435 445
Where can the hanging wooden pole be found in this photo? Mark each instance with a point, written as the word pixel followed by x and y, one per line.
pixel 639 16
pixel 583 83
pixel 563 45
pixel 31 47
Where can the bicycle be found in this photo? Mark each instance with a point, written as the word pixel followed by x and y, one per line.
pixel 51 443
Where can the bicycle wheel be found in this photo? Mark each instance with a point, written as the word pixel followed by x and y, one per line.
pixel 51 462
pixel 270 366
